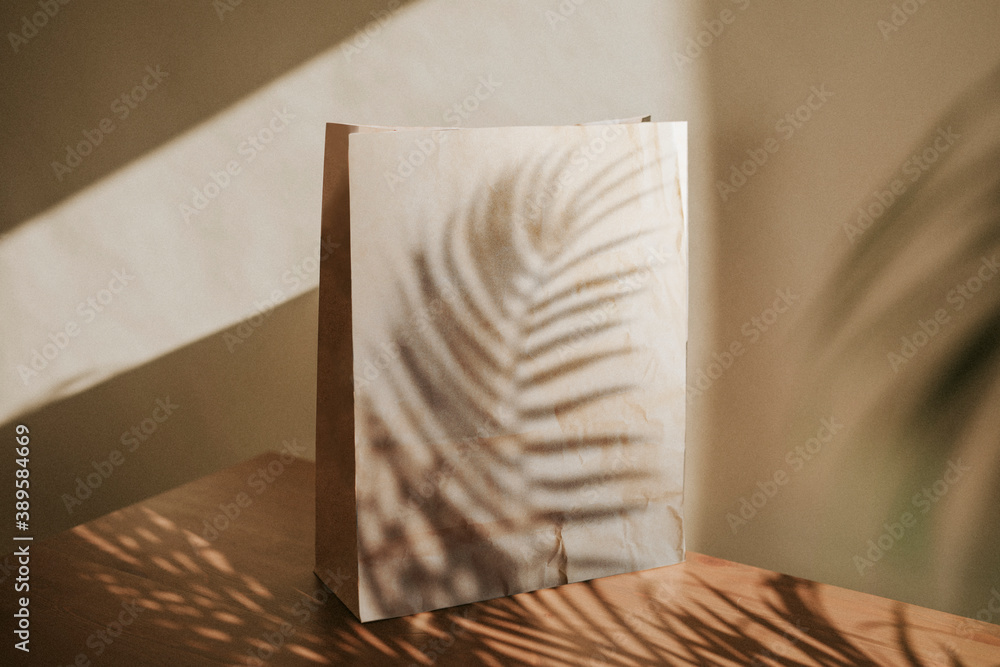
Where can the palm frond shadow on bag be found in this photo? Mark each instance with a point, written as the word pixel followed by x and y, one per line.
pixel 489 348
pixel 910 321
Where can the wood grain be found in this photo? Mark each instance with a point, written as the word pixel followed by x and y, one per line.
pixel 249 596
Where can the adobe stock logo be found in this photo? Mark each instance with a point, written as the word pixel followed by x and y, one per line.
pixel 895 531
pixel 87 484
pixel 453 116
pixel 767 489
pixel 704 38
pixel 566 9
pixel 122 107
pixel 899 17
pixel 29 28
pixel 786 127
pixel 218 181
pixel 60 339
pixel 258 482
pixel 912 170
pixel 302 273
pixel 580 160
pixel 928 329
pixel 363 36
pixel 990 613
pixel 753 330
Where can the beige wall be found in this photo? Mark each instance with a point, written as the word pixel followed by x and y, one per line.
pixel 783 229
pixel 167 330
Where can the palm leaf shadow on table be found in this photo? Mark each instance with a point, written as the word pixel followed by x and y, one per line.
pixel 787 626
pixel 670 617
pixel 679 619
pixel 910 324
pixel 489 333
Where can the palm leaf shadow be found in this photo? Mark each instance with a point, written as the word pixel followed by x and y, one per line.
pixel 918 262
pixel 795 624
pixel 695 623
pixel 489 339
pixel 207 602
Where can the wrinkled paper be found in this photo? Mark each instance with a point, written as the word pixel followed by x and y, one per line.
pixel 501 391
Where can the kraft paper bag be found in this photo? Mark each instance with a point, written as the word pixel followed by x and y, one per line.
pixel 502 339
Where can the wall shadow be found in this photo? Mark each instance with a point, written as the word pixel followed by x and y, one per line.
pixel 916 294
pixel 792 223
pixel 221 399
pixel 66 78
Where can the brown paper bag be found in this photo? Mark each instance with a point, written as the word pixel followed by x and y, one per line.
pixel 502 339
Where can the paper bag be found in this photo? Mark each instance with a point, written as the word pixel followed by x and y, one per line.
pixel 502 339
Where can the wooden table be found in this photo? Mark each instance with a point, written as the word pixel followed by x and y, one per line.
pixel 152 585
